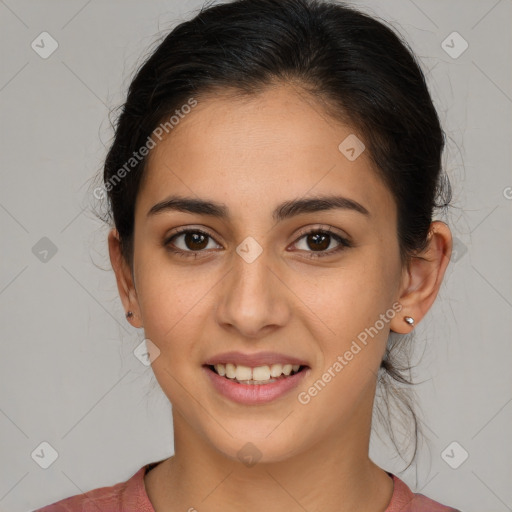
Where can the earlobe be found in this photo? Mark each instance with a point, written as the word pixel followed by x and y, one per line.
pixel 423 278
pixel 125 285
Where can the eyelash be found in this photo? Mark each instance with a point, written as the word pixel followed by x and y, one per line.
pixel 343 242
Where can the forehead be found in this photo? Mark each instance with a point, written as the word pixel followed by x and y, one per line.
pixel 254 152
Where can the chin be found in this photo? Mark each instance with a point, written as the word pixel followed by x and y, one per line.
pixel 252 446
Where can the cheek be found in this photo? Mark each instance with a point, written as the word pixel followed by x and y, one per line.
pixel 174 302
pixel 354 304
pixel 355 312
pixel 173 311
pixel 349 298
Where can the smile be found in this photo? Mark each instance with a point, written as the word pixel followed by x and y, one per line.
pixel 258 375
pixel 255 385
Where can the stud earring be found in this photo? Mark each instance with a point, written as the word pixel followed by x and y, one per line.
pixel 409 320
pixel 129 314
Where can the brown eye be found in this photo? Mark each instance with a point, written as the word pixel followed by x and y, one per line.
pixel 195 241
pixel 190 240
pixel 317 242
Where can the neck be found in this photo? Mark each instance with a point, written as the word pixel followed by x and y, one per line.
pixel 334 474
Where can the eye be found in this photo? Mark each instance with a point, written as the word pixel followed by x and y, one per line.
pixel 321 239
pixel 189 241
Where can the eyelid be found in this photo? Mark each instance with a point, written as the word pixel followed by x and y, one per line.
pixel 187 229
pixel 325 228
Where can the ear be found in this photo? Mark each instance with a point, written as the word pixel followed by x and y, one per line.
pixel 423 277
pixel 124 278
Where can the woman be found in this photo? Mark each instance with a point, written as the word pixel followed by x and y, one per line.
pixel 272 183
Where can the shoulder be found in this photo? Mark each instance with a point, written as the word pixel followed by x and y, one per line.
pixel 404 500
pixel 122 497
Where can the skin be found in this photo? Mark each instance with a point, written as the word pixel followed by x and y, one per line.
pixel 252 154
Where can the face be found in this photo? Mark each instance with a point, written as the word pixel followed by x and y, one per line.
pixel 256 276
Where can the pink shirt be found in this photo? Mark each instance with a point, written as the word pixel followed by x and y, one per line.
pixel 130 496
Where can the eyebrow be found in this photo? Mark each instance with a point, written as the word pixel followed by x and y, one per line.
pixel 283 211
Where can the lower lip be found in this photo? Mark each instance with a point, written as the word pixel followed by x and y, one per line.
pixel 251 394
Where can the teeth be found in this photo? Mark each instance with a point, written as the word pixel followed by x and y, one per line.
pixel 230 371
pixel 243 373
pixel 259 373
pixel 276 370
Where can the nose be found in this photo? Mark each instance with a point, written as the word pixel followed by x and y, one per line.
pixel 253 298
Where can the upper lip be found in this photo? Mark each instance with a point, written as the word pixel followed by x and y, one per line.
pixel 253 360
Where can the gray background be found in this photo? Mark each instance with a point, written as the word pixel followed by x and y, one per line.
pixel 67 372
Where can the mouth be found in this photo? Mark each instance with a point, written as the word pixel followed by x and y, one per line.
pixel 255 385
pixel 258 375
